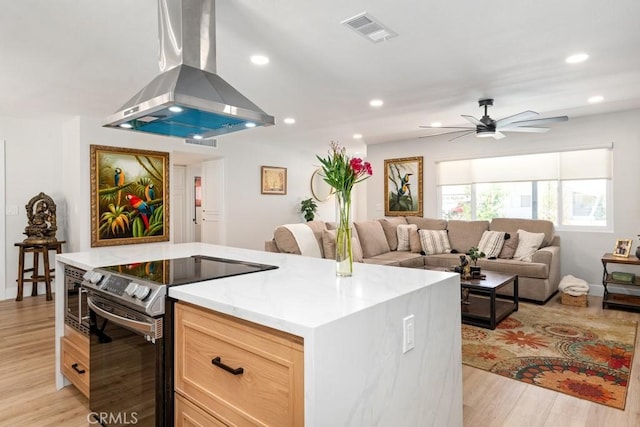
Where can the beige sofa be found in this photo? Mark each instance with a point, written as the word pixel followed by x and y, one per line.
pixel 376 242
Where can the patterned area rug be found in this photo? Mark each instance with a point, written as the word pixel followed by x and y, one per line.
pixel 584 356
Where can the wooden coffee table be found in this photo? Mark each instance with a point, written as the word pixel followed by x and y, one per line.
pixel 485 308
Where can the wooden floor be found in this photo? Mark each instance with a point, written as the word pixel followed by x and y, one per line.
pixel 28 396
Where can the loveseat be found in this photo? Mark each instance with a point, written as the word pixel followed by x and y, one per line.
pixel 528 248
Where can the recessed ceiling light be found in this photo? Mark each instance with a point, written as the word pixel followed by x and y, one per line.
pixel 126 125
pixel 357 136
pixel 289 120
pixel 376 102
pixel 595 99
pixel 197 136
pixel 436 124
pixel 259 59
pixel 577 58
pixel 175 109
pixel 250 124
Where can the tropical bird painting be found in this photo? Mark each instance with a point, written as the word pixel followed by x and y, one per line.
pixel 400 190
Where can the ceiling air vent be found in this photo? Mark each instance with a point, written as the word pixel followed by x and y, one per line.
pixel 207 142
pixel 369 27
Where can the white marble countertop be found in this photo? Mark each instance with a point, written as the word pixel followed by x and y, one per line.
pixel 302 294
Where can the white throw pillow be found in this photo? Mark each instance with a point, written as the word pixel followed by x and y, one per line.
pixel 528 243
pixel 403 231
pixel 434 241
pixel 491 243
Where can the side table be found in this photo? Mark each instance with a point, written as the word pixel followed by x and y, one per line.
pixel 36 249
pixel 614 299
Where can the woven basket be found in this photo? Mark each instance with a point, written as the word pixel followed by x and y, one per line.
pixel 579 301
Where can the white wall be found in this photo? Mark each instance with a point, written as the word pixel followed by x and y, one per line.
pixel 580 251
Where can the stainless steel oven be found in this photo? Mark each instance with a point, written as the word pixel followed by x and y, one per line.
pixel 76 311
pixel 131 354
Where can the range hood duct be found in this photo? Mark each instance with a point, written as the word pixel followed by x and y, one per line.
pixel 188 99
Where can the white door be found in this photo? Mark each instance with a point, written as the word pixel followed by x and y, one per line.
pixel 3 261
pixel 213 219
pixel 179 203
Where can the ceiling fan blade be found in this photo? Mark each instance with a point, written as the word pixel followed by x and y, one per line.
pixel 498 135
pixel 516 117
pixel 526 129
pixel 446 127
pixel 466 130
pixel 464 134
pixel 474 121
pixel 536 122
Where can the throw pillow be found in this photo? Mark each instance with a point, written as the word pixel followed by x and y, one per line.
pixel 491 243
pixel 434 241
pixel 403 231
pixel 509 247
pixel 528 243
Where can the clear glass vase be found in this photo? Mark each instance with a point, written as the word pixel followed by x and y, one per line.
pixel 344 250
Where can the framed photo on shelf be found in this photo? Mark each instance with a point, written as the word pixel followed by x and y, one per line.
pixel 273 180
pixel 129 196
pixel 403 186
pixel 622 248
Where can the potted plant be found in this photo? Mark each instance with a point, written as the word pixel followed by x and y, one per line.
pixel 475 254
pixel 308 209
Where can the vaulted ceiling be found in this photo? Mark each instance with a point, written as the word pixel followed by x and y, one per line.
pixel 75 57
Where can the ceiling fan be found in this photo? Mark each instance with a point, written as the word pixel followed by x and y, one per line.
pixel 487 127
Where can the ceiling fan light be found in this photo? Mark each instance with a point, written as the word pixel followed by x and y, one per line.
pixel 485 133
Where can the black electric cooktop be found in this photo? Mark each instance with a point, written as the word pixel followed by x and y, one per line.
pixel 180 271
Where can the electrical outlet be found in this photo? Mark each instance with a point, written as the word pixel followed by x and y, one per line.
pixel 408 333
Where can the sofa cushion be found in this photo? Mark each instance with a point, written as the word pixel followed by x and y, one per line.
pixel 528 243
pixel 465 234
pixel 536 270
pixel 329 245
pixel 403 232
pixel 372 238
pixel 390 225
pixel 491 243
pixel 442 260
pixel 427 223
pixel 509 247
pixel 403 259
pixel 414 241
pixel 434 241
pixel 511 225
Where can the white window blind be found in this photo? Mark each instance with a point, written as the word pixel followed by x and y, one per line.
pixel 580 164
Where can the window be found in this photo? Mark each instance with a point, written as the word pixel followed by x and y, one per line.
pixel 571 189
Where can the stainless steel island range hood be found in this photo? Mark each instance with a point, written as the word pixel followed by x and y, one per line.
pixel 188 99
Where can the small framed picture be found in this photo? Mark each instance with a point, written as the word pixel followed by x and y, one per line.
pixel 273 180
pixel 622 248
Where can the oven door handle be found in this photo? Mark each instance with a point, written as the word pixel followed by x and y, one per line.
pixel 144 328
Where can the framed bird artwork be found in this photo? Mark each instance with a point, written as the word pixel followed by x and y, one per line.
pixel 129 196
pixel 403 186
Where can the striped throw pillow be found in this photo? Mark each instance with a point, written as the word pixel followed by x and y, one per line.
pixel 434 241
pixel 491 243
pixel 403 231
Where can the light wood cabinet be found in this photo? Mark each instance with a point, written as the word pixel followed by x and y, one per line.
pixel 75 359
pixel 239 373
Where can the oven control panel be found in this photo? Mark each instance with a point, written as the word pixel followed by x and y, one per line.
pixel 145 296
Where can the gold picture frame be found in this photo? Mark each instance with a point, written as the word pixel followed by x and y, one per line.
pixel 273 180
pixel 129 196
pixel 403 186
pixel 622 248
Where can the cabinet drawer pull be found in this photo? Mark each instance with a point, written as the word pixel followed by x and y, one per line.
pixel 75 368
pixel 237 371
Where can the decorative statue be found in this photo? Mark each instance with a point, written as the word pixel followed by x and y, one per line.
pixel 41 213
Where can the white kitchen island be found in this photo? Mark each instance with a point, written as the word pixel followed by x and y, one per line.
pixel 355 370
